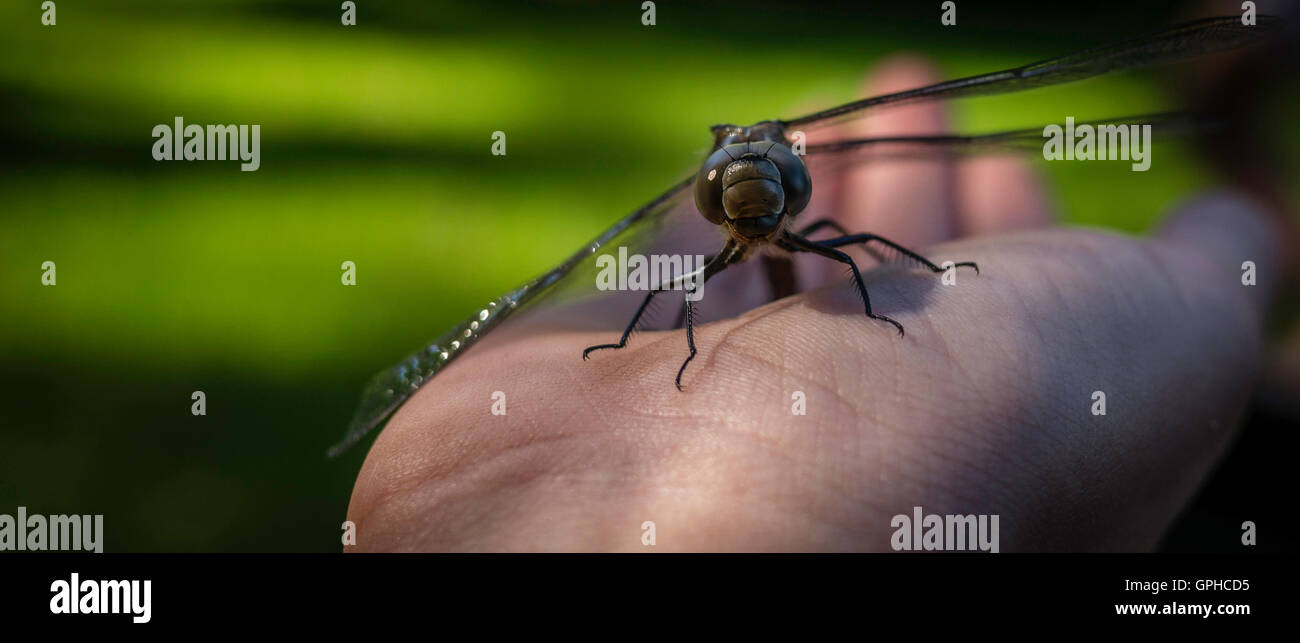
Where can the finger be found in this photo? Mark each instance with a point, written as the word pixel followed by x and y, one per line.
pixel 1226 243
pixel 1000 194
pixel 908 201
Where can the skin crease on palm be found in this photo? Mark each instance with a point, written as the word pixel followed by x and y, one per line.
pixel 984 407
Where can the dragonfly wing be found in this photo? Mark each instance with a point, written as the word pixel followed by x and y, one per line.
pixel 1163 126
pixel 1177 43
pixel 388 390
pixel 827 161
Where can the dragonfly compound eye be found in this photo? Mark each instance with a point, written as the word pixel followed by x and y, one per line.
pixel 795 179
pixel 708 184
pixel 752 180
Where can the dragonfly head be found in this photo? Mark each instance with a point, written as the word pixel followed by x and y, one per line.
pixel 752 188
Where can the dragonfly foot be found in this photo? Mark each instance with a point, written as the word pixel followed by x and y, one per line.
pixel 887 319
pixel 683 370
pixel 589 349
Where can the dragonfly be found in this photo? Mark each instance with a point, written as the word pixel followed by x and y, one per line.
pixel 753 185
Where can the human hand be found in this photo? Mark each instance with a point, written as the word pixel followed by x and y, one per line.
pixel 983 408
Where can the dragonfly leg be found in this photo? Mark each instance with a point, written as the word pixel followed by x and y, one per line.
pixel 797 243
pixel 711 267
pixel 627 332
pixel 690 339
pixel 681 314
pixel 780 275
pixel 730 253
pixel 822 223
pixel 850 239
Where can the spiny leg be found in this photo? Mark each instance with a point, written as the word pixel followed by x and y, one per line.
pixel 799 244
pixel 690 339
pixel 681 314
pixel 780 276
pixel 822 223
pixel 627 332
pixel 727 251
pixel 846 238
pixel 868 238
pixel 731 253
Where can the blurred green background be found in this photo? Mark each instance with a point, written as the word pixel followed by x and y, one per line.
pixel 175 276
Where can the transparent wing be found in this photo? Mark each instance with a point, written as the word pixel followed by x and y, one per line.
pixel 663 222
pixel 1177 43
pixel 827 160
pixel 1163 126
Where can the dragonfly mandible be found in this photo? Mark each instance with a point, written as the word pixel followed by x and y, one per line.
pixel 753 186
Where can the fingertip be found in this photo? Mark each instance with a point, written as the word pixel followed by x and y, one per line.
pixel 1230 237
pixel 901 73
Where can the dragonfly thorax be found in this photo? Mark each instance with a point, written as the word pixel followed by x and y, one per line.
pixel 752 188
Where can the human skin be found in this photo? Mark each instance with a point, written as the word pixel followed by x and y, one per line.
pixel 984 407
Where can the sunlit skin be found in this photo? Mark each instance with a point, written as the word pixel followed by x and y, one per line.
pixel 984 406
